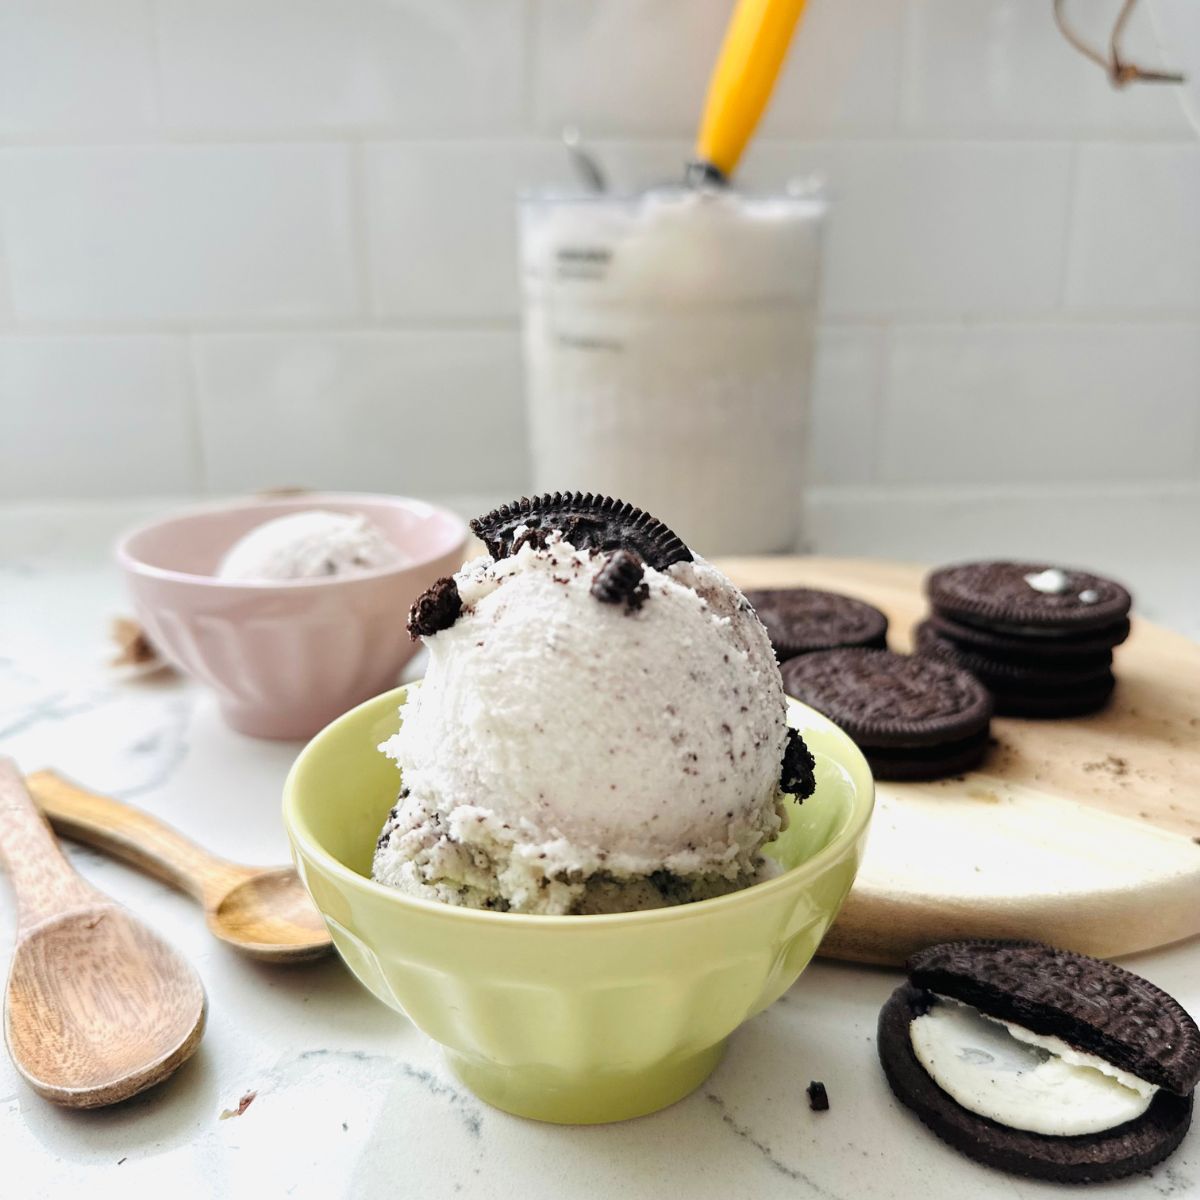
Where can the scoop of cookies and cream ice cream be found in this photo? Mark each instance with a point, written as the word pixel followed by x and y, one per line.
pixel 311 544
pixel 593 733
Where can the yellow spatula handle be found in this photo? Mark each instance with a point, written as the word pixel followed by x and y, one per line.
pixel 753 51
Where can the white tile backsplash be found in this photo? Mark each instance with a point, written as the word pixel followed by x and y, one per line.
pixel 1135 237
pixel 79 68
pixel 94 416
pixel 641 67
pixel 443 228
pixel 843 71
pixel 301 213
pixel 999 67
pixel 1046 403
pixel 170 233
pixel 634 68
pixel 846 401
pixel 424 413
pixel 921 229
pixel 295 65
pixel 6 312
pixel 931 228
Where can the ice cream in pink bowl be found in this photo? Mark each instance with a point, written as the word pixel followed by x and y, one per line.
pixel 285 656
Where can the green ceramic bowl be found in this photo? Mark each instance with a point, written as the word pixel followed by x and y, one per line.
pixel 571 1019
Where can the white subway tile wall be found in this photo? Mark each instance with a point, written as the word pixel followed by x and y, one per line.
pixel 82 416
pixel 76 69
pixel 1033 404
pixel 252 244
pixel 166 234
pixel 418 412
pixel 1135 233
pixel 847 390
pixel 996 68
pixel 463 265
pixel 6 311
pixel 318 66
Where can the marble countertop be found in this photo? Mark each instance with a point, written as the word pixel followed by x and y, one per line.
pixel 352 1101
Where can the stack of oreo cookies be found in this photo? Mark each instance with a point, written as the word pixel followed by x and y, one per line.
pixel 913 718
pixel 1040 638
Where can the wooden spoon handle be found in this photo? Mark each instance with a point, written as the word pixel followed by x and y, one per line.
pixel 134 836
pixel 44 882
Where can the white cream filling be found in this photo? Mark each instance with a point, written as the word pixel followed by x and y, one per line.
pixel 1050 582
pixel 1023 1079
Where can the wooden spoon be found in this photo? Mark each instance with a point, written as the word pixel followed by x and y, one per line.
pixel 263 911
pixel 98 1006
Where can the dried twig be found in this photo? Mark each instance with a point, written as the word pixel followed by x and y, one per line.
pixel 1119 71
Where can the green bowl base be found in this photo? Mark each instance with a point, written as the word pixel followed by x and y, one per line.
pixel 590 1098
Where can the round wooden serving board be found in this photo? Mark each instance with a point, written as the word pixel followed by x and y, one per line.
pixel 1084 833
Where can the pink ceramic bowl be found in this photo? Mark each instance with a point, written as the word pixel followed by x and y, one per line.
pixel 285 658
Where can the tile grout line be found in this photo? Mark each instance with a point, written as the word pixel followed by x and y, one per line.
pixel 1196 448
pixel 61 139
pixel 882 390
pixel 1070 225
pixel 8 304
pixel 531 22
pixel 904 71
pixel 450 325
pixel 360 233
pixel 157 74
pixel 191 384
pixel 266 328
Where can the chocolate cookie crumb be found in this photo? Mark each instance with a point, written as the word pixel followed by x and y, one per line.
pixel 619 581
pixel 532 535
pixel 798 765
pixel 818 1097
pixel 435 609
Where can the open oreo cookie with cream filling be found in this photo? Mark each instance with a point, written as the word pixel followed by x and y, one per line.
pixel 912 717
pixel 1040 1061
pixel 801 620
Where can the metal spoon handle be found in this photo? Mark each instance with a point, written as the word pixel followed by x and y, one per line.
pixel 133 836
pixel 42 879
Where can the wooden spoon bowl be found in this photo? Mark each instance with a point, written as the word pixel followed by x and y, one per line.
pixel 98 1007
pixel 269 915
pixel 262 911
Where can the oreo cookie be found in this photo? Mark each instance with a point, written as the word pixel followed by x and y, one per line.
pixel 1089 645
pixel 1039 637
pixel 911 764
pixel 587 521
pixel 1080 701
pixel 801 620
pixel 912 717
pixel 1051 688
pixel 1040 1061
pixel 1010 672
pixel 1027 599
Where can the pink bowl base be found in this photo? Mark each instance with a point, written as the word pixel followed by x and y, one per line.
pixel 296 722
pixel 285 659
